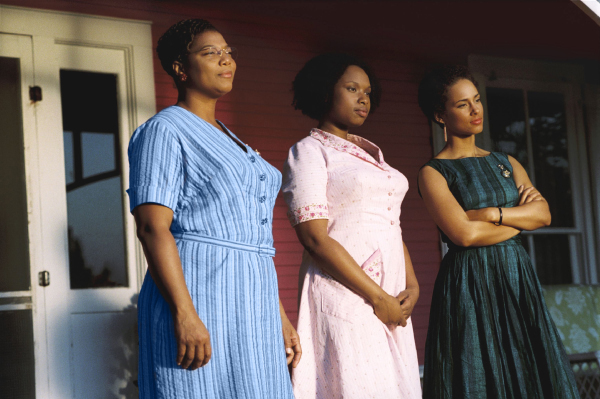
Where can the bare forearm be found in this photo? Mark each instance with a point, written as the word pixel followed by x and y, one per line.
pixel 282 311
pixel 165 268
pixel 530 216
pixel 334 260
pixel 481 234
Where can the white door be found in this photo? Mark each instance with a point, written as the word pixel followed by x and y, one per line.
pixel 63 208
pixel 98 279
pixel 68 270
pixel 22 308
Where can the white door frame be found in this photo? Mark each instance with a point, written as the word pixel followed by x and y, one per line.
pixel 45 180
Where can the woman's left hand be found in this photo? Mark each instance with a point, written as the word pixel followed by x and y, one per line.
pixel 291 340
pixel 408 298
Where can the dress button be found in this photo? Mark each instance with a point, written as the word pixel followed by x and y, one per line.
pixel 389 177
pixel 262 199
pixel 390 194
pixel 392 222
pixel 389 208
pixel 262 177
pixel 264 221
pixel 252 159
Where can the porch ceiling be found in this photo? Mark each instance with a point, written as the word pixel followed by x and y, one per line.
pixel 434 30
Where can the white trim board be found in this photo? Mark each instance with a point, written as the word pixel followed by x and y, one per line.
pixel 590 7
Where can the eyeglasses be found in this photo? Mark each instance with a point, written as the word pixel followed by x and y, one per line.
pixel 212 52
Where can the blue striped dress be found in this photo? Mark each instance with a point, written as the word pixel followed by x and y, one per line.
pixel 222 200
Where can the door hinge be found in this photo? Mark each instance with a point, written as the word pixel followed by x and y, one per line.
pixel 35 93
pixel 44 278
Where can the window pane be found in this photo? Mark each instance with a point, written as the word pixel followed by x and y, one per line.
pixel 553 258
pixel 69 162
pixel 96 242
pixel 507 122
pixel 98 153
pixel 94 194
pixel 551 160
pixel 14 240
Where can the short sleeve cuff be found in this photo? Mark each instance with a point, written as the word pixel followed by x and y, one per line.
pixel 152 194
pixel 308 212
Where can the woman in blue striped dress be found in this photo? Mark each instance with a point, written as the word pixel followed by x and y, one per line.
pixel 210 322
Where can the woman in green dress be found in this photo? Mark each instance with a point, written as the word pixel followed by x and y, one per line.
pixel 490 333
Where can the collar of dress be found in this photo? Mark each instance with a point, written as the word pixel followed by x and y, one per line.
pixel 355 145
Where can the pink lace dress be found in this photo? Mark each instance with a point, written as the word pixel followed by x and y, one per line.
pixel 347 351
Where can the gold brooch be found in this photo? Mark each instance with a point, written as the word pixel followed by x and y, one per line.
pixel 504 171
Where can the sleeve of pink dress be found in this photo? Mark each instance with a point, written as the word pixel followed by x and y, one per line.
pixel 305 183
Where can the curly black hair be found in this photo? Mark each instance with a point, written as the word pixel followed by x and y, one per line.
pixel 313 85
pixel 175 43
pixel 433 88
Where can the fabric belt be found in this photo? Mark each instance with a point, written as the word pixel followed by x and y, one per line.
pixel 261 250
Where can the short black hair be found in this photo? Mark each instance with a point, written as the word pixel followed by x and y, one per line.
pixel 433 89
pixel 175 43
pixel 313 85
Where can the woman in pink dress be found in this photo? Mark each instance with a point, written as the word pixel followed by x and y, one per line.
pixel 358 287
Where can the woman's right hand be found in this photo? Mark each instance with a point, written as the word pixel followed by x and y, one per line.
pixel 389 311
pixel 193 340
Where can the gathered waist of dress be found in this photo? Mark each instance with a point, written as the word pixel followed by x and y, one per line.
pixel 262 250
pixel 514 241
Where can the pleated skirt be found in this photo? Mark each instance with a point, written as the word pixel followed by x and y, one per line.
pixel 490 333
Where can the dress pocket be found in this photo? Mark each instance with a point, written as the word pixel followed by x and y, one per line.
pixel 339 301
pixel 374 267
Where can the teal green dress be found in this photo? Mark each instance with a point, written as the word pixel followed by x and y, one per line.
pixel 490 333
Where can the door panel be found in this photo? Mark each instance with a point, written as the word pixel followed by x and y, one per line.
pixel 102 284
pixel 110 360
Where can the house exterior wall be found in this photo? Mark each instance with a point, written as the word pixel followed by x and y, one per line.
pixel 400 41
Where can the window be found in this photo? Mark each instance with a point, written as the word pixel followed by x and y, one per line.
pixel 531 126
pixel 532 114
pixel 93 177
